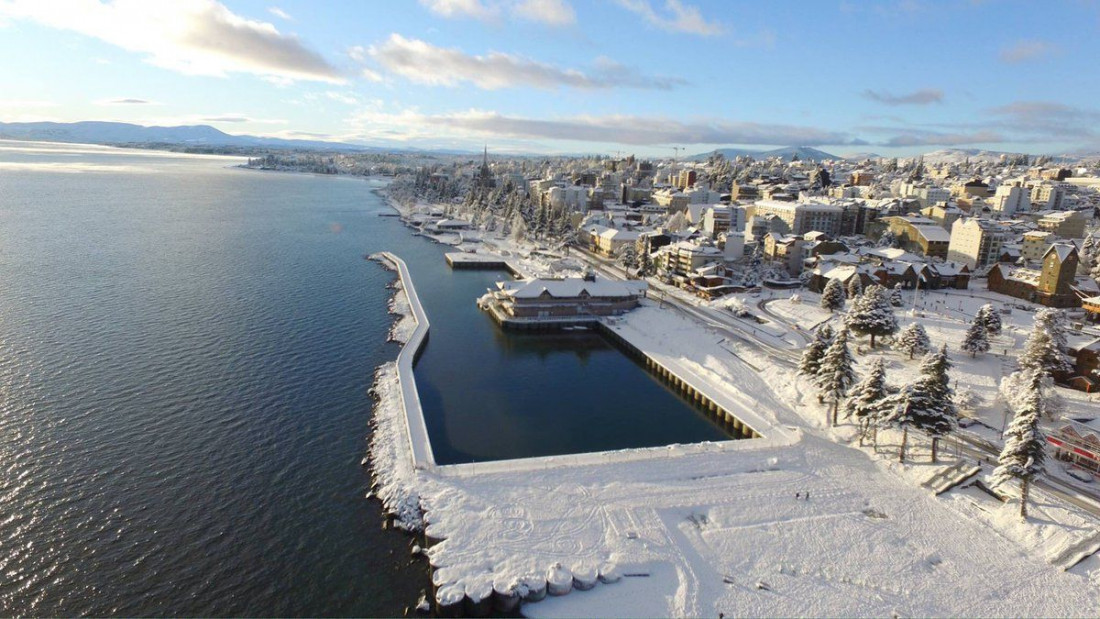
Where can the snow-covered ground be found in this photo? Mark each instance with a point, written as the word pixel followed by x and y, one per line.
pixel 716 528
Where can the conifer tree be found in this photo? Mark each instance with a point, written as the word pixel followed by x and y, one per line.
pixel 832 298
pixel 1044 350
pixel 855 287
pixel 926 404
pixel 869 398
pixel 836 373
pixel 914 340
pixel 1024 452
pixel 815 351
pixel 895 296
pixel 991 319
pixel 976 341
pixel 871 314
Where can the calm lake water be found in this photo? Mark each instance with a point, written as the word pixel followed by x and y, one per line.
pixel 185 354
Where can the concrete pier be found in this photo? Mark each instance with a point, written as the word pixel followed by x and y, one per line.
pixel 691 387
pixel 410 397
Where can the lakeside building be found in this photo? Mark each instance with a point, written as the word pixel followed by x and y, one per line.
pixel 565 297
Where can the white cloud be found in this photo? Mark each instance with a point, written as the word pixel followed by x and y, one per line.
pixel 1024 51
pixel 549 12
pixel 341 97
pixel 678 17
pixel 126 101
pixel 424 63
pixel 375 123
pixel 461 8
pixel 281 14
pixel 197 37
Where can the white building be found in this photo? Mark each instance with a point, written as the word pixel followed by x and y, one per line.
pixel 1009 200
pixel 802 217
pixel 976 242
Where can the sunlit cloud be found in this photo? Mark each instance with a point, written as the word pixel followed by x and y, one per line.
pixel 546 12
pixel 677 17
pixel 424 63
pixel 196 37
pixel 627 130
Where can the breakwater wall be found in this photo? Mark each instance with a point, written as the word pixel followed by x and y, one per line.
pixel 410 398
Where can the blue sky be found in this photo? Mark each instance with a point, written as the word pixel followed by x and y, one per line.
pixel 643 76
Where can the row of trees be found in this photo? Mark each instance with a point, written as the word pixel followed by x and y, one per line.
pixel 927 404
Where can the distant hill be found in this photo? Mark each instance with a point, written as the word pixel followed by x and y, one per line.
pixel 959 155
pixel 112 133
pixel 804 153
pixel 862 156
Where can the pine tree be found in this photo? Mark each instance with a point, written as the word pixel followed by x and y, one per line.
pixel 976 341
pixel 991 319
pixel 1044 350
pixel 1087 256
pixel 832 298
pixel 869 398
pixel 895 296
pixel 871 314
pixel 1025 446
pixel 855 287
pixel 836 373
pixel 914 340
pixel 927 403
pixel 815 351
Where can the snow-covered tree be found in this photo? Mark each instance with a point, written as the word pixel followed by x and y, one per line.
pixel 518 228
pixel 832 297
pixel 926 404
pixel 855 287
pixel 677 222
pixel 628 256
pixel 888 239
pixel 914 340
pixel 976 340
pixel 895 296
pixel 815 351
pixel 871 314
pixel 836 372
pixel 990 318
pixel 1044 349
pixel 1087 256
pixel 1024 451
pixel 646 267
pixel 869 398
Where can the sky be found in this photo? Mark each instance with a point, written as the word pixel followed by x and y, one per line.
pixel 651 77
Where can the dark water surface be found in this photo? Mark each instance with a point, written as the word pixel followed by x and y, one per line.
pixel 185 354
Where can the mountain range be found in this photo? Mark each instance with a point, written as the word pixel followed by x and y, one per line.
pixel 804 153
pixel 113 133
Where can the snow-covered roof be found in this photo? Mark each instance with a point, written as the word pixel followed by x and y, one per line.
pixel 1062 249
pixel 570 287
pixel 933 233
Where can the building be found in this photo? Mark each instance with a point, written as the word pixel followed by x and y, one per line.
pixel 861 178
pixel 1051 285
pixel 565 297
pixel 686 178
pixel 802 217
pixel 976 242
pixel 1048 196
pixel 1009 200
pixel 1035 244
pixel 1063 224
pixel 684 258
pixel 919 235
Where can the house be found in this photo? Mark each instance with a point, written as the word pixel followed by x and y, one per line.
pixel 1052 285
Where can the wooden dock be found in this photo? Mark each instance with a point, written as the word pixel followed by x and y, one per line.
pixel 479 262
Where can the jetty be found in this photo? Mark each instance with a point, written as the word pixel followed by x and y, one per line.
pixel 410 397
pixel 460 260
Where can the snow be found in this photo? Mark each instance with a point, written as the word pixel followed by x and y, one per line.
pixel 697 530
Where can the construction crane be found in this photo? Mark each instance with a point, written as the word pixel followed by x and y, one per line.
pixel 677 150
